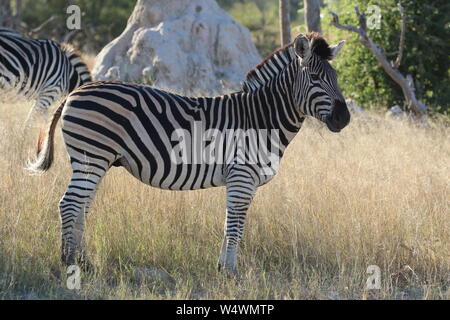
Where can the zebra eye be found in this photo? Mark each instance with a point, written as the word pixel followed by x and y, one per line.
pixel 314 76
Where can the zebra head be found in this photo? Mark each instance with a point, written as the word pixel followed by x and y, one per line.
pixel 316 89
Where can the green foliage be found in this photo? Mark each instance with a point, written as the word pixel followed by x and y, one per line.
pixel 426 52
pixel 101 22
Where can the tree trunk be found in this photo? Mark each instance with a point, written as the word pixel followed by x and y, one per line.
pixel 11 13
pixel 312 15
pixel 5 13
pixel 18 14
pixel 285 23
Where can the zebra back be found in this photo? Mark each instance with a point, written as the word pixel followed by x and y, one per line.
pixel 81 74
pixel 10 32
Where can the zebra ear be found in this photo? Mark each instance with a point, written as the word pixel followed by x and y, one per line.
pixel 302 47
pixel 335 49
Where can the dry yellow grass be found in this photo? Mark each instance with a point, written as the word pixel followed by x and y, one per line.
pixel 375 194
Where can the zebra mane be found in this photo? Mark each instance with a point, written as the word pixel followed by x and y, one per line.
pixel 77 62
pixel 272 65
pixel 279 59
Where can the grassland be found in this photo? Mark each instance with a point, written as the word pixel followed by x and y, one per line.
pixel 375 194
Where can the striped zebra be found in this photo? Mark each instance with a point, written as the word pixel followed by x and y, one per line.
pixel 7 31
pixel 38 69
pixel 107 124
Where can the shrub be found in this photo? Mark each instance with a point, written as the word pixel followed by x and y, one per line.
pixel 426 54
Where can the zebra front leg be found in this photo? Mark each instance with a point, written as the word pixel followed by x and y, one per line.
pixel 240 191
pixel 74 206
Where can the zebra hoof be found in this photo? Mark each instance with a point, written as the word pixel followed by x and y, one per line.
pixel 233 274
pixel 229 272
pixel 81 261
pixel 86 265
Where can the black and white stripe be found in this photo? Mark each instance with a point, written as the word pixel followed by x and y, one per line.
pixel 38 69
pixel 6 31
pixel 107 124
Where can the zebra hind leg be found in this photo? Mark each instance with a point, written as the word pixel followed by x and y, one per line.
pixel 74 206
pixel 38 111
pixel 240 191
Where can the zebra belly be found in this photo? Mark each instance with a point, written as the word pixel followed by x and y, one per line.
pixel 178 176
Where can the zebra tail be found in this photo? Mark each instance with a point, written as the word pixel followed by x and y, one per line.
pixel 43 159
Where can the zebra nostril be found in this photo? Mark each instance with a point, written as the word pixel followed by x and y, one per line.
pixel 340 114
pixel 337 118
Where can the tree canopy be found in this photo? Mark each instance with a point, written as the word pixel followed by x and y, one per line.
pixel 425 56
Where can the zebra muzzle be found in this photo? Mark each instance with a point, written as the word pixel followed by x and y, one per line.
pixel 339 118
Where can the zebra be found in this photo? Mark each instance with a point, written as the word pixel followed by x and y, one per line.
pixel 106 124
pixel 8 31
pixel 43 70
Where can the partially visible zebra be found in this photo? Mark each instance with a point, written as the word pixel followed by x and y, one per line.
pixel 38 69
pixel 4 31
pixel 107 124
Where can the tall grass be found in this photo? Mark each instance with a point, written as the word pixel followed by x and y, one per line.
pixel 375 194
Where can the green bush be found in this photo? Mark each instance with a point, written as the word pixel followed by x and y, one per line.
pixel 426 54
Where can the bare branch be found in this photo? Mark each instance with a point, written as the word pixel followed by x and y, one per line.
pixel 362 20
pixel 285 26
pixel 39 28
pixel 347 27
pixel 69 35
pixel 410 82
pixel 389 54
pixel 405 83
pixel 312 15
pixel 401 43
